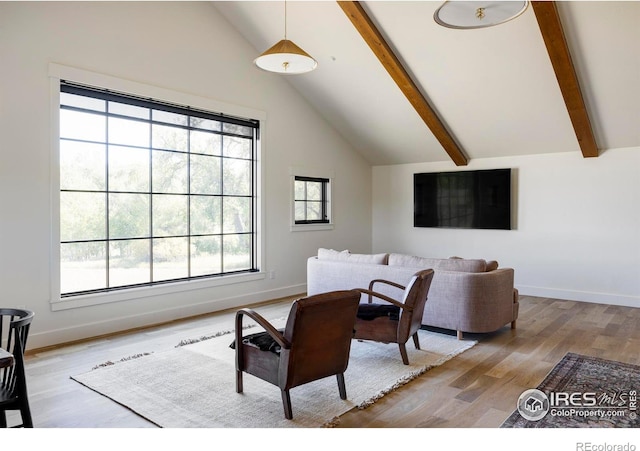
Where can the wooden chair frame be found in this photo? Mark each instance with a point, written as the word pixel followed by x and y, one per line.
pixel 315 344
pixel 387 330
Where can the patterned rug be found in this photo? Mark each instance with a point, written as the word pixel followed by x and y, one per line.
pixel 581 392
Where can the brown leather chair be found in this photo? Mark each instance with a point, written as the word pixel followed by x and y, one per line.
pixel 314 344
pixel 394 321
pixel 14 330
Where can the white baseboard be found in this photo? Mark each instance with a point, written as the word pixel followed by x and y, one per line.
pixel 583 296
pixel 112 325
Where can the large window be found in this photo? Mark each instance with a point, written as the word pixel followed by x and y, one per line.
pixel 152 192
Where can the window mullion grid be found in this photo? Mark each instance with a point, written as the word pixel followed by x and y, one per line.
pixel 151 236
pixel 108 206
pixel 189 274
pixel 107 200
pixel 306 201
pixel 253 201
pixel 324 200
pixel 222 198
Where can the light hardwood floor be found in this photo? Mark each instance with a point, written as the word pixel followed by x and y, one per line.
pixel 477 389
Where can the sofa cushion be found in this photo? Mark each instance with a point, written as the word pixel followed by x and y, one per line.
pixel 491 265
pixel 346 256
pixel 332 254
pixel 442 264
pixel 411 261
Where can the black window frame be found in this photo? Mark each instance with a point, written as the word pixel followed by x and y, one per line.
pixel 158 105
pixel 324 201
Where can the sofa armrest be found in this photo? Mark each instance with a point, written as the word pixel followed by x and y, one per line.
pixel 471 302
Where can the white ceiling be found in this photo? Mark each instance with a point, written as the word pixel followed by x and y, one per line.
pixel 494 88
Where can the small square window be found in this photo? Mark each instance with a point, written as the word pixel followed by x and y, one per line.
pixel 311 200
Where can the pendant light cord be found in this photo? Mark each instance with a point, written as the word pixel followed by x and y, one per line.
pixel 285 20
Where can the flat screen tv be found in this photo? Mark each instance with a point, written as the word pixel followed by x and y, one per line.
pixel 463 199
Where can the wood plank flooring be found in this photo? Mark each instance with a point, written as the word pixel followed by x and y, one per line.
pixel 477 389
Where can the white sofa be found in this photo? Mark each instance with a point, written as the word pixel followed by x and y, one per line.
pixel 466 295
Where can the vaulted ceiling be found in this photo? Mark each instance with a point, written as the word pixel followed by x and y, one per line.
pixel 562 77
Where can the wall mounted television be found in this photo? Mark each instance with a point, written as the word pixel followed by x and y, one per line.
pixel 463 199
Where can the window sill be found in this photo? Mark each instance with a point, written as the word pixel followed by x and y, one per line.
pixel 310 227
pixel 146 292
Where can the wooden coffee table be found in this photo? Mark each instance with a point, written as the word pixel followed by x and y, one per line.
pixel 6 359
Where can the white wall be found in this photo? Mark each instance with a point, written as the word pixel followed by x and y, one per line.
pixel 181 46
pixel 577 224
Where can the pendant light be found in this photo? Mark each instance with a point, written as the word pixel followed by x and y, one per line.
pixel 477 14
pixel 285 57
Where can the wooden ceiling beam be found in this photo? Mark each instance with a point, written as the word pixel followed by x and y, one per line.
pixel 551 28
pixel 372 36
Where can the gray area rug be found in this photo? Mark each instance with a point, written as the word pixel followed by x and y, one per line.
pixel 193 385
pixel 604 395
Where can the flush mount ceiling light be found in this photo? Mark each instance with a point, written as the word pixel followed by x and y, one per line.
pixel 477 14
pixel 285 57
